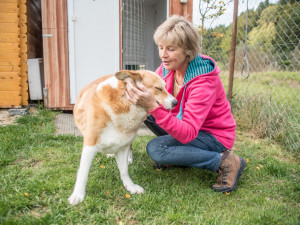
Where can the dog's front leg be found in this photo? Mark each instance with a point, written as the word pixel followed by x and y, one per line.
pixel 122 161
pixel 87 156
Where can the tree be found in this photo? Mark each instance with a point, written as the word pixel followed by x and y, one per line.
pixel 212 40
pixel 263 35
pixel 240 39
pixel 287 27
pixel 287 32
pixel 262 6
pixel 210 9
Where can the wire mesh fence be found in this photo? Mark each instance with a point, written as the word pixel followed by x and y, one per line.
pixel 133 34
pixel 266 88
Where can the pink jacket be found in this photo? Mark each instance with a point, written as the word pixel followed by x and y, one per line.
pixel 202 104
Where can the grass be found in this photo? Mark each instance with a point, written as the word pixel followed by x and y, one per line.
pixel 38 170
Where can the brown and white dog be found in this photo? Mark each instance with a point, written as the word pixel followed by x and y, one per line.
pixel 109 123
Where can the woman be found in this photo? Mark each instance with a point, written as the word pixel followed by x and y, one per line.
pixel 200 130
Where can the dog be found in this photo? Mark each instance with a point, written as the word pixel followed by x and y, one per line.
pixel 109 122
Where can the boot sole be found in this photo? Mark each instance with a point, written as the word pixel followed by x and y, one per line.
pixel 241 170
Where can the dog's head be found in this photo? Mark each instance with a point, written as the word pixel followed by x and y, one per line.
pixel 155 84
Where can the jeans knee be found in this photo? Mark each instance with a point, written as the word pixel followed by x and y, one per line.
pixel 155 151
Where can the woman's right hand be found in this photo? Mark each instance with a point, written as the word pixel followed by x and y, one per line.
pixel 141 96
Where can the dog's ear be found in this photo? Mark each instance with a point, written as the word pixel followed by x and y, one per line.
pixel 126 75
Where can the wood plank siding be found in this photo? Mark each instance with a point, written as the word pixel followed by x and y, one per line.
pixel 13 54
pixel 55 49
pixel 182 9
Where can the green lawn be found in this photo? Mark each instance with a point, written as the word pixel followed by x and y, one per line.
pixel 38 172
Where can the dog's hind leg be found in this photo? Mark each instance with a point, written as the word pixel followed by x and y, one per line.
pixel 122 161
pixel 87 156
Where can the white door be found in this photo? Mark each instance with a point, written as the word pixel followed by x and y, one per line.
pixel 93 35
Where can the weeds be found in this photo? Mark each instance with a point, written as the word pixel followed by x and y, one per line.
pixel 263 117
pixel 268 104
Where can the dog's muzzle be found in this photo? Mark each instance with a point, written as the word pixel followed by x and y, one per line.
pixel 174 103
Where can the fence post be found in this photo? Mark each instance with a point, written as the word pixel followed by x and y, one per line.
pixel 232 51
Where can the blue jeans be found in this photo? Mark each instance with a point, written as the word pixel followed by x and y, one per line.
pixel 203 152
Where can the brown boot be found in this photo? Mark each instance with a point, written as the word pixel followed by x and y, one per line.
pixel 231 168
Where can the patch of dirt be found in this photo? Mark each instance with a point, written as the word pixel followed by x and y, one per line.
pixel 6 119
pixel 33 110
pixel 38 212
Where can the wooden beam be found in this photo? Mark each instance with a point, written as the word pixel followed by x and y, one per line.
pixel 9 28
pixel 10 103
pixel 10 76
pixel 10 86
pixel 8 7
pixel 10 1
pixel 9 48
pixel 10 59
pixel 181 9
pixel 9 37
pixel 9 68
pixel 10 95
pixel 23 50
pixel 9 18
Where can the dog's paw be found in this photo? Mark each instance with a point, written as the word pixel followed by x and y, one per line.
pixel 76 198
pixel 134 189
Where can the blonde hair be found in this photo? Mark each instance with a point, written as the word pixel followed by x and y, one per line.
pixel 178 31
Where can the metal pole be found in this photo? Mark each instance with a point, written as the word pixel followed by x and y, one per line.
pixel 232 51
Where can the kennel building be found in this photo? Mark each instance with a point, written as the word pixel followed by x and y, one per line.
pixel 84 40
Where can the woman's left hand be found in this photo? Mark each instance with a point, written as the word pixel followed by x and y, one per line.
pixel 141 96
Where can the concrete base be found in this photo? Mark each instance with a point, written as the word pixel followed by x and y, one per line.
pixel 14 112
pixel 65 124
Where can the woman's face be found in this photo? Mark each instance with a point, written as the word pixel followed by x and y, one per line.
pixel 173 57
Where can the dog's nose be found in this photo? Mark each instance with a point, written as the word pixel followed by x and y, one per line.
pixel 174 103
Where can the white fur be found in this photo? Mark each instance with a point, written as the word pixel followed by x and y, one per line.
pixel 115 138
pixel 112 140
pixel 112 81
pixel 87 156
pixel 157 76
pixel 130 157
pixel 121 158
pixel 168 102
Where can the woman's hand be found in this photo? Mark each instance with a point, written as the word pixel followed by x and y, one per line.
pixel 141 96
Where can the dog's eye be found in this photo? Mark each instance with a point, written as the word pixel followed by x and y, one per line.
pixel 158 88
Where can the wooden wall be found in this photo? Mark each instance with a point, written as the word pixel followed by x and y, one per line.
pixel 55 48
pixel 13 54
pixel 182 9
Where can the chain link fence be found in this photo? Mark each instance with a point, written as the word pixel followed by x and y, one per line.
pixel 266 86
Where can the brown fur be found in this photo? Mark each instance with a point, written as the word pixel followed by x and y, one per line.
pixel 112 97
pixel 89 115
